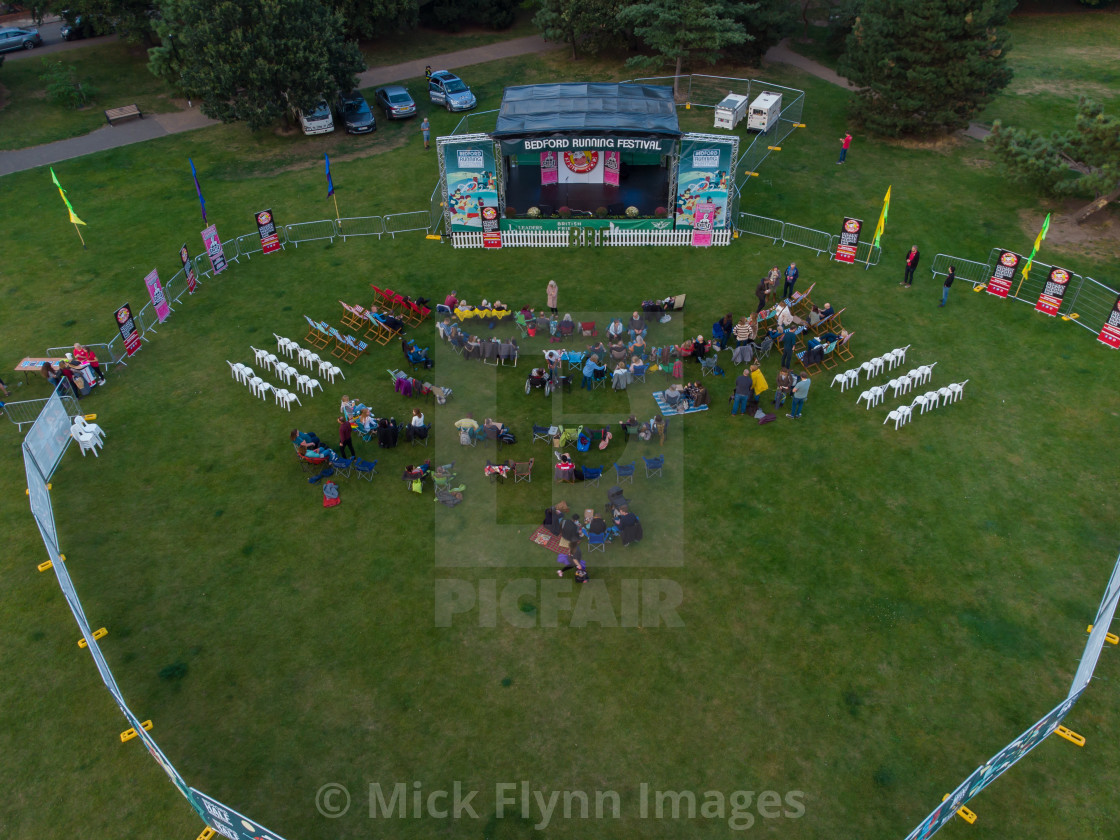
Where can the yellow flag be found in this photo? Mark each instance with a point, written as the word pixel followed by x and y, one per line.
pixel 882 218
pixel 73 216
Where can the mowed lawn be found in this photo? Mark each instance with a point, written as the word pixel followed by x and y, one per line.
pixel 866 614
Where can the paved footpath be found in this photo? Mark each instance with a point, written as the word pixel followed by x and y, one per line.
pixel 161 125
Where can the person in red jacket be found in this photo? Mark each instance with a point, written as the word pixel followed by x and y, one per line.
pixel 911 267
pixel 84 356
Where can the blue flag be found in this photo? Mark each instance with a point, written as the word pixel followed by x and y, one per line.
pixel 198 189
pixel 330 183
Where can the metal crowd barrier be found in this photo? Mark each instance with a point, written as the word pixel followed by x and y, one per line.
pixel 26 412
pixel 405 222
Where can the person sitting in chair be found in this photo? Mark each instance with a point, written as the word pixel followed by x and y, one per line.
pixel 675 396
pixel 299 438
pixel 700 348
pixel 636 325
pixel 637 346
pixel 314 450
pixel 598 348
pixel 618 351
pixel 814 316
pixel 391 321
pixel 615 330
pixel 537 377
pixel 827 312
pixel 366 423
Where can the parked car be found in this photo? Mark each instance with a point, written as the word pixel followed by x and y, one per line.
pixel 395 101
pixel 19 39
pixel 84 26
pixel 355 113
pixel 449 90
pixel 318 120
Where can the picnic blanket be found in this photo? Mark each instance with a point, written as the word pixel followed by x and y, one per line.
pixel 546 539
pixel 663 407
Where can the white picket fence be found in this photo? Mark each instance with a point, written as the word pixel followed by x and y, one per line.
pixel 564 238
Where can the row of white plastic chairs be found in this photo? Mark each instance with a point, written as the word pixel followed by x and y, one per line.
pixel 926 402
pixel 260 388
pixel 899 385
pixel 326 367
pixel 872 367
pixel 308 358
pixel 89 436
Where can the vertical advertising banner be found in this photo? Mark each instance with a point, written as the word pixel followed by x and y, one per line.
pixel 702 179
pixel 612 168
pixel 1050 299
pixel 1000 282
pixel 703 222
pixel 188 268
pixel 155 292
pixel 230 824
pixel 849 240
pixel 127 328
pixel 266 227
pixel 470 179
pixel 213 245
pixel 549 172
pixel 491 225
pixel 1110 332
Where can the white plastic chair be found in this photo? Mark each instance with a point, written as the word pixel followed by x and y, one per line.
pixel 270 361
pixel 285 371
pixel 891 360
pixel 853 377
pixel 262 389
pixel 946 395
pixel 878 394
pixel 254 385
pixel 312 385
pixel 958 389
pixel 337 371
pixel 868 368
pixel 895 385
pixel 900 354
pixel 98 433
pixel 293 348
pixel 234 368
pixel 85 440
pixel 313 361
pixel 900 416
pixel 922 401
pixel 288 398
pixel 842 379
pixel 304 356
pixel 877 365
pixel 301 383
pixel 906 383
pixel 259 355
pixel 866 395
pixel 324 367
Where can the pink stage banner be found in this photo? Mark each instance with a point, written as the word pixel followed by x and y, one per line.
pixel 155 292
pixel 549 173
pixel 703 222
pixel 612 167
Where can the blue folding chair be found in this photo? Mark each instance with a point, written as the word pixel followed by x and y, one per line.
pixel 366 469
pixel 654 465
pixel 625 472
pixel 592 475
pixel 597 542
pixel 639 373
pixel 542 433
pixel 343 465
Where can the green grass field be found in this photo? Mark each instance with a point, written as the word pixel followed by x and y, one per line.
pixel 868 615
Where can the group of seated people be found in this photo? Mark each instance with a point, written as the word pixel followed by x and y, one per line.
pixel 387 318
pixel 473 347
pixel 644 431
pixel 681 398
pixel 308 445
pixel 470 430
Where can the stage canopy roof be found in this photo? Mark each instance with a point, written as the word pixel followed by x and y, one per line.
pixel 636 110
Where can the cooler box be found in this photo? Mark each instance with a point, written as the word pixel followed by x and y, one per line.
pixel 731 110
pixel 765 112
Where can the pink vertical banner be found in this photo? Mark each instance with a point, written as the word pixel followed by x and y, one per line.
pixel 702 224
pixel 549 173
pixel 155 292
pixel 611 168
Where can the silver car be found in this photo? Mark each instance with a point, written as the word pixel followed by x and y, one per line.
pixel 19 39
pixel 449 90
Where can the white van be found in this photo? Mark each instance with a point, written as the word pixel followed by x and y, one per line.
pixel 318 120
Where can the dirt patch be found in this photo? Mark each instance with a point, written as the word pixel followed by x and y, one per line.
pixel 941 145
pixel 37 94
pixel 1069 89
pixel 324 145
pixel 978 163
pixel 1098 238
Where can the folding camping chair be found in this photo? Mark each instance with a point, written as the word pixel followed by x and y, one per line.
pixel 596 542
pixel 654 465
pixel 842 350
pixel 625 473
pixel 315 335
pixel 351 316
pixel 523 470
pixel 588 328
pixel 591 475
pixel 340 348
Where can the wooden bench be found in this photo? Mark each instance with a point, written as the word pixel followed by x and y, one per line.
pixel 124 113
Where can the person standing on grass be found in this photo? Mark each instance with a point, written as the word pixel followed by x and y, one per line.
pixel 426 130
pixel 845 142
pixel 783 387
pixel 760 293
pixel 911 267
pixel 552 292
pixel 800 394
pixel 789 339
pixel 949 278
pixel 344 439
pixel 791 279
pixel 742 393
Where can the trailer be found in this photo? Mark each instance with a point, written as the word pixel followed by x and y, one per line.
pixel 765 111
pixel 731 111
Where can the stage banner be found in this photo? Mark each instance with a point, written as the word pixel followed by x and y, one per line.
pixel 849 240
pixel 702 228
pixel 127 328
pixel 188 268
pixel 1050 299
pixel 230 824
pixel 491 225
pixel 49 436
pixel 1110 332
pixel 155 292
pixel 995 767
pixel 213 245
pixel 1000 282
pixel 266 227
pixel 470 181
pixel 548 168
pixel 702 179
pixel 581 167
pixel 600 142
pixel 611 169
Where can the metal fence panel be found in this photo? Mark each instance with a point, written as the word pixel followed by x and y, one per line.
pixel 815 240
pixel 1094 302
pixel 26 412
pixel 760 226
pixel 249 244
pixel 360 226
pixel 970 270
pixel 404 222
pixel 310 231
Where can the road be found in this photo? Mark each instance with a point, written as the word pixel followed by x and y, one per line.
pixel 52 40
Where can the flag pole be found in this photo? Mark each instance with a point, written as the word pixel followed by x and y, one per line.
pixel 77 231
pixel 337 215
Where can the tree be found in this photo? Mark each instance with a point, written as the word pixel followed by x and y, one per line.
pixel 766 23
pixel 685 30
pixel 584 25
pixel 926 67
pixel 254 60
pixel 377 18
pixel 133 20
pixel 1082 161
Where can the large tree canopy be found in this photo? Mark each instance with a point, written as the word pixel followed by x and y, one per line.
pixel 676 31
pixel 926 67
pixel 377 18
pixel 1083 161
pixel 585 25
pixel 254 60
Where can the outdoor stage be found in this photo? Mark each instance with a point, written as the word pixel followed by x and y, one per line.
pixel 644 187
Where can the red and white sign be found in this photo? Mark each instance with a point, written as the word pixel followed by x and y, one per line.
pixel 581 167
pixel 1110 332
pixel 155 292
pixel 1000 282
pixel 127 328
pixel 188 268
pixel 848 244
pixel 1050 299
pixel 266 228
